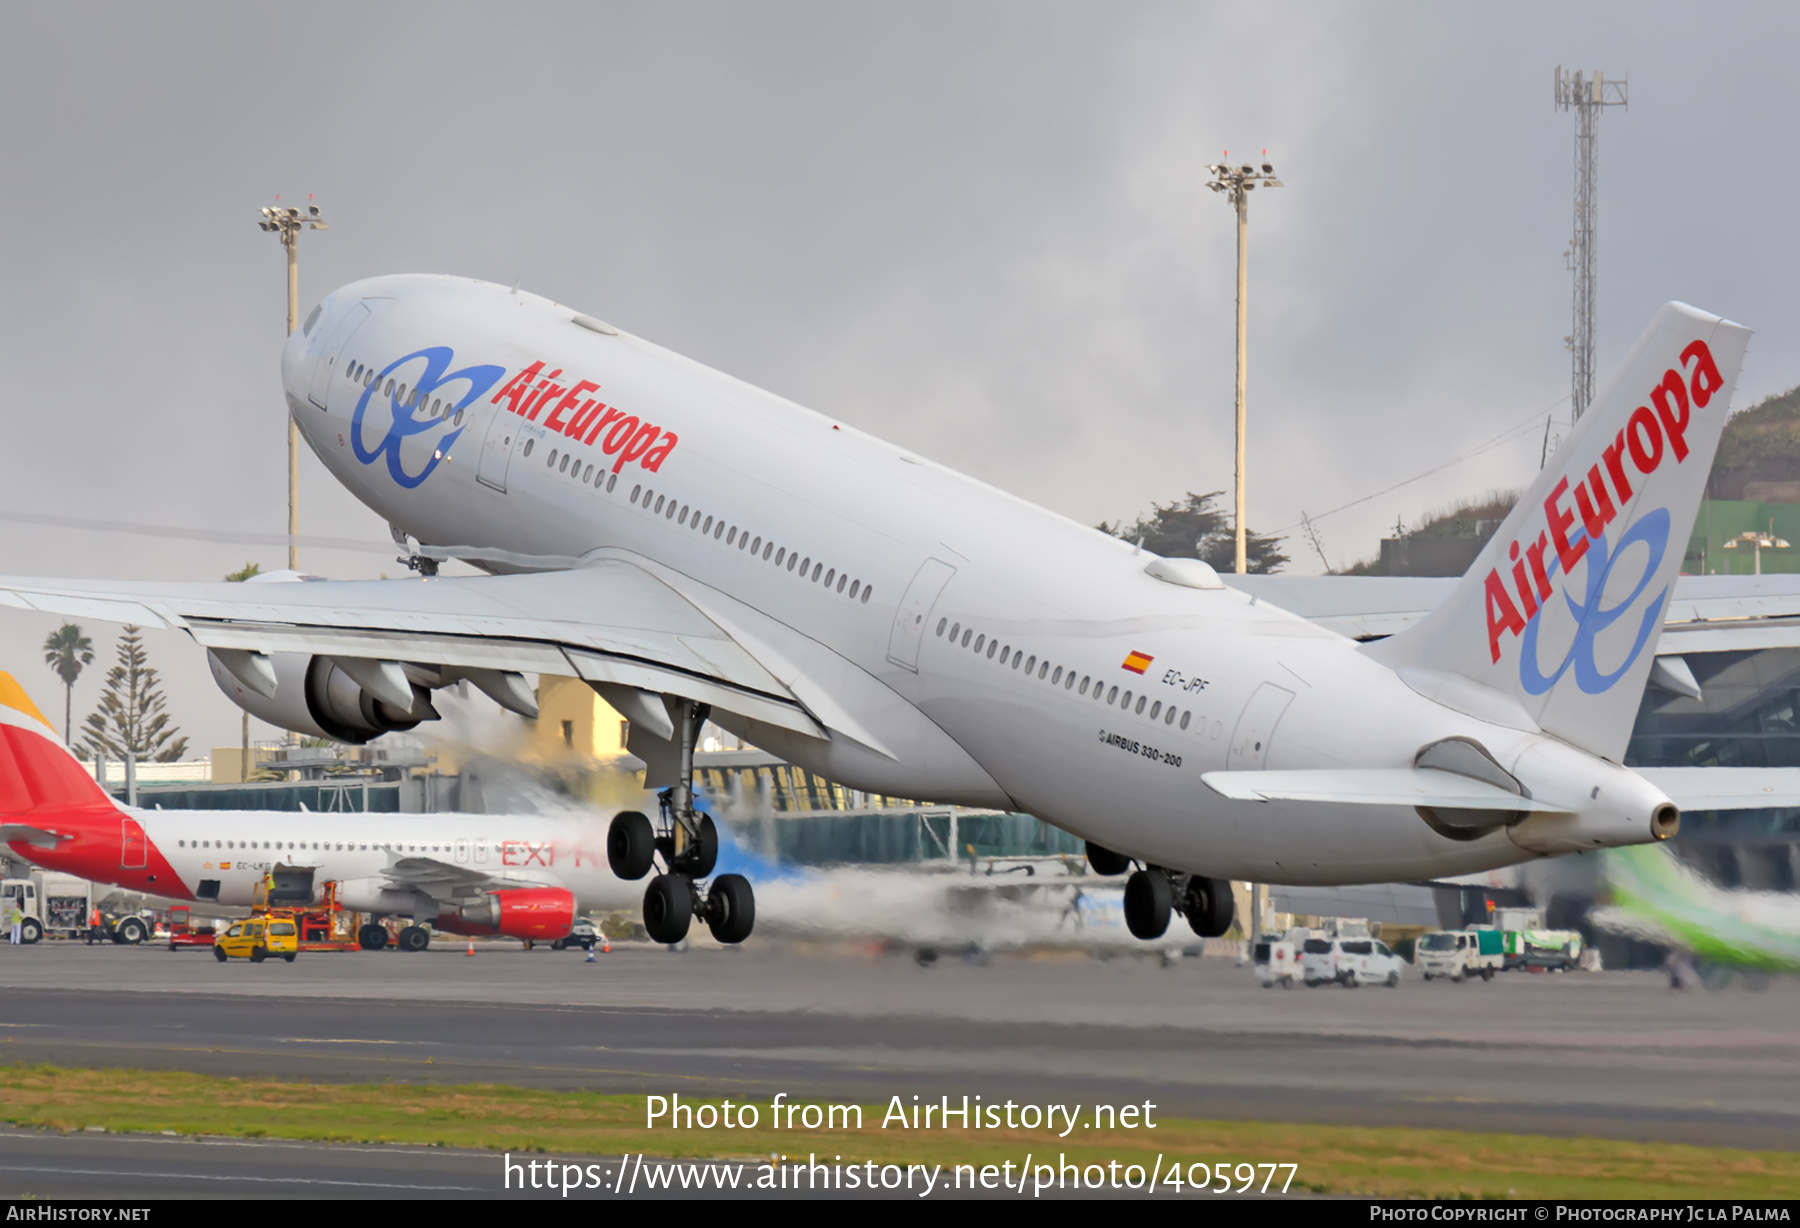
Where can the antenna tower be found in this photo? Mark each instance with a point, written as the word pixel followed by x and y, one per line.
pixel 1586 96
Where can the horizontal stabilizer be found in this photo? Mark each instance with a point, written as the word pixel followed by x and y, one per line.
pixel 36 837
pixel 1727 788
pixel 1372 787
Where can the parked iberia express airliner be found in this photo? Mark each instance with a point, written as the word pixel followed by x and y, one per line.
pixel 696 548
pixel 521 876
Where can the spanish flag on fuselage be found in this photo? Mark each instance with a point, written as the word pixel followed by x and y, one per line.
pixel 1138 662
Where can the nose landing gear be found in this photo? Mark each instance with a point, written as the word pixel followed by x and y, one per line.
pixel 1153 894
pixel 687 841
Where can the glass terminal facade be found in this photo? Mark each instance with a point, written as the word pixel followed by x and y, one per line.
pixel 1748 716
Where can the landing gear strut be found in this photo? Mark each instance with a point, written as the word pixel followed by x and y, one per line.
pixel 1153 894
pixel 687 842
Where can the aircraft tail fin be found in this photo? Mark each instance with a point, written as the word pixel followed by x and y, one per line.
pixel 1557 621
pixel 39 776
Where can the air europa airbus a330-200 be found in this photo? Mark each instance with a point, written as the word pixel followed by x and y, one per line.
pixel 696 548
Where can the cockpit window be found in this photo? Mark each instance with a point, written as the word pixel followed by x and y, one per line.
pixel 311 320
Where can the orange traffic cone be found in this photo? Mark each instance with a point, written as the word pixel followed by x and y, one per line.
pixel 605 947
pixel 471 946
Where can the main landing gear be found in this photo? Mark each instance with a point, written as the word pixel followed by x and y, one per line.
pixel 688 844
pixel 1153 893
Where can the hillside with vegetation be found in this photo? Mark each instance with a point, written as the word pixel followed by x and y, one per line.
pixel 1760 446
pixel 1471 519
pixel 1758 461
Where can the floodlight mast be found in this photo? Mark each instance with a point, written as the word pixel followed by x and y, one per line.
pixel 1239 182
pixel 286 222
pixel 1759 542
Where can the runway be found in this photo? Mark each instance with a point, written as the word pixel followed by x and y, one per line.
pixel 1612 1054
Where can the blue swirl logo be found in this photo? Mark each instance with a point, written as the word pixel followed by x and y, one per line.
pixel 1591 618
pixel 404 420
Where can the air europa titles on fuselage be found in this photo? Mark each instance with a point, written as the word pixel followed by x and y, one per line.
pixel 570 412
pixel 1650 436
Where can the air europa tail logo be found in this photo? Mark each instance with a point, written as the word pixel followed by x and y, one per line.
pixel 573 413
pixel 1575 525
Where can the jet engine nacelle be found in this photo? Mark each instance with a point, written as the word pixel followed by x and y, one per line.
pixel 524 912
pixel 314 696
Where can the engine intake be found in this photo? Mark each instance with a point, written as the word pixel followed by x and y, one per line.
pixel 315 696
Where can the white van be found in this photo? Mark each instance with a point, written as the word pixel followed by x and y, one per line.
pixel 1277 961
pixel 1349 962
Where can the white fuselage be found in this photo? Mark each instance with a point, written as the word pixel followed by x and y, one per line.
pixel 1034 720
pixel 225 855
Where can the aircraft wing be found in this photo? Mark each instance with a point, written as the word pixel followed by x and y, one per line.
pixel 1372 787
pixel 606 621
pixel 442 881
pixel 1705 614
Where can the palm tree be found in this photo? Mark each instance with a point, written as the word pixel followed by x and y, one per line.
pixel 66 651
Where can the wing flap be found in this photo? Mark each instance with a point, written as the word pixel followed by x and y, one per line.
pixel 1372 787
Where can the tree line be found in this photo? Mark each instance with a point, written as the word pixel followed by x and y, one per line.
pixel 132 716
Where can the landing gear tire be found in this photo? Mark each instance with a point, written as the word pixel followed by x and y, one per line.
pixel 219 954
pixel 668 908
pixel 131 931
pixel 30 931
pixel 372 937
pixel 1208 906
pixel 415 938
pixel 1105 861
pixel 730 908
pixel 630 845
pixel 703 854
pixel 1148 902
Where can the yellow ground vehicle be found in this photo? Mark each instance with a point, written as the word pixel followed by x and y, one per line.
pixel 258 938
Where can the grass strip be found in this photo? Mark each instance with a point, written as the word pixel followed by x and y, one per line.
pixel 1387 1161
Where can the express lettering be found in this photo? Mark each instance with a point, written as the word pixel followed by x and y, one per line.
pixel 571 412
pixel 524 853
pixel 1576 519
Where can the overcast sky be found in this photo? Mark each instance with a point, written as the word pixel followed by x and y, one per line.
pixel 979 230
